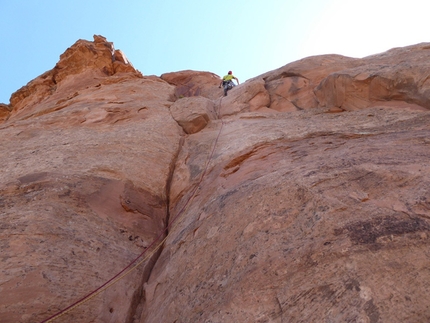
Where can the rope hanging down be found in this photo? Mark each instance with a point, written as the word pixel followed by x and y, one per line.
pixel 136 262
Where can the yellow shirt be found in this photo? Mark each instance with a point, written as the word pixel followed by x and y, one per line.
pixel 228 77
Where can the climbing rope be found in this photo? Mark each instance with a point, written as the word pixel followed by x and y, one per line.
pixel 135 263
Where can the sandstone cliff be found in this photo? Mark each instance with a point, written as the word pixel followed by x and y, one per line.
pixel 302 196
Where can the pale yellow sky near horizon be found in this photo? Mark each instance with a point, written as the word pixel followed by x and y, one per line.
pixel 367 27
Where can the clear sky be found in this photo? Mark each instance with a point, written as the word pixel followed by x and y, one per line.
pixel 249 37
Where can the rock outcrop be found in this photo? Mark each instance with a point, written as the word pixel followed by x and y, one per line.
pixel 194 113
pixel 85 61
pixel 193 83
pixel 302 196
pixel 4 111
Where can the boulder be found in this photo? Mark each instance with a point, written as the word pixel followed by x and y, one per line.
pixel 193 113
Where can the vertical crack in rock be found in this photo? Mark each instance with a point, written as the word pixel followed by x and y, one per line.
pixel 136 303
pixel 169 180
pixel 138 299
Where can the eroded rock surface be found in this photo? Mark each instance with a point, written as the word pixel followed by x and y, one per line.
pixel 310 217
pixel 83 192
pixel 302 196
pixel 194 83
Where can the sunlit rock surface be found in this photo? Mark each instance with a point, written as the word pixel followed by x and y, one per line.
pixel 302 196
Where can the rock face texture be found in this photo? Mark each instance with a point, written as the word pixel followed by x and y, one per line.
pixel 302 196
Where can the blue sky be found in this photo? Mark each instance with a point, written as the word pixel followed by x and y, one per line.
pixel 249 37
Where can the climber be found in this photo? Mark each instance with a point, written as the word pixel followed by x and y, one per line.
pixel 227 82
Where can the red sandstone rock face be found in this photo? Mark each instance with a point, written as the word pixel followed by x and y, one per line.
pixel 79 195
pixel 4 111
pixel 192 83
pixel 310 217
pixel 302 196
